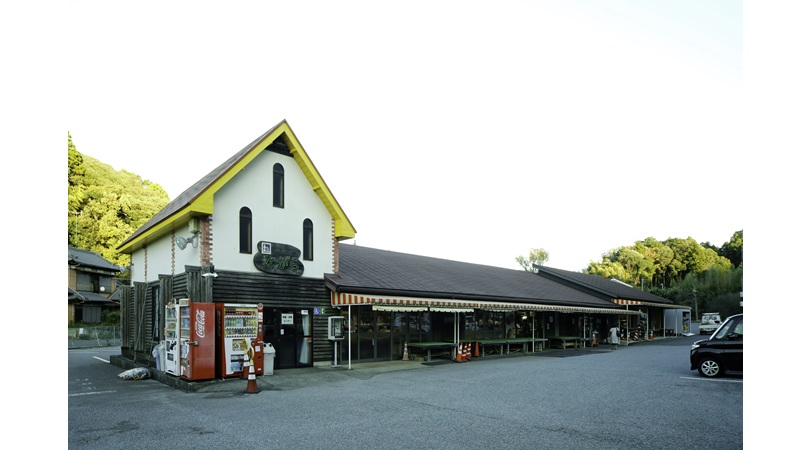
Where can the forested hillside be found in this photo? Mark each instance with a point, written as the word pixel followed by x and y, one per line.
pixel 105 206
pixel 702 276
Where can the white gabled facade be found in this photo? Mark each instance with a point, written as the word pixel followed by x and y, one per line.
pixel 215 202
pixel 252 188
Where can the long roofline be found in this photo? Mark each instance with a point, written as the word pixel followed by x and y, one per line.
pixel 611 287
pixel 198 199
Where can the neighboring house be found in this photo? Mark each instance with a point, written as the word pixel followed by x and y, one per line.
pixel 91 284
pixel 264 229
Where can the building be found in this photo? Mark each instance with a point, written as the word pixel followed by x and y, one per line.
pixel 91 286
pixel 263 228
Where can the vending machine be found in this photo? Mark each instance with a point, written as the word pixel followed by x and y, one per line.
pixel 197 341
pixel 239 333
pixel 171 341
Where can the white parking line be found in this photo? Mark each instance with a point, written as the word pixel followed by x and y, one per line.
pixel 91 393
pixel 101 359
pixel 713 379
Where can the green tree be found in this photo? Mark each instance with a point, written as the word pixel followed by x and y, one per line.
pixel 733 249
pixel 536 256
pixel 105 206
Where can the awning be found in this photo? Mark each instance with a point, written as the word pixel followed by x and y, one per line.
pixel 450 310
pixel 621 301
pixel 398 308
pixel 451 305
pixel 344 299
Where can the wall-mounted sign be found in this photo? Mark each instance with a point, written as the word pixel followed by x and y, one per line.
pixel 287 319
pixel 282 259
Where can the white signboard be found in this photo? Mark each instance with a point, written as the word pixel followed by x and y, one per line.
pixel 287 319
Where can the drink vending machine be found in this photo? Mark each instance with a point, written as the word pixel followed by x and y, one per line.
pixel 171 340
pixel 197 340
pixel 240 331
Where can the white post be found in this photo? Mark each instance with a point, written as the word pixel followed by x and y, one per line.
pixel 349 335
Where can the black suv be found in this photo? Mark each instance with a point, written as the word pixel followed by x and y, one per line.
pixel 722 352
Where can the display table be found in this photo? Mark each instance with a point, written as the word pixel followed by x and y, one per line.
pixel 431 345
pixel 565 341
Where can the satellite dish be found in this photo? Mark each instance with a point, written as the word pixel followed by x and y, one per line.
pixel 181 242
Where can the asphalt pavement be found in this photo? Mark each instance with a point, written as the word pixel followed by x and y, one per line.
pixel 639 396
pixel 289 379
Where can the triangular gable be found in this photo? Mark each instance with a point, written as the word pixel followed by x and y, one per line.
pixel 198 200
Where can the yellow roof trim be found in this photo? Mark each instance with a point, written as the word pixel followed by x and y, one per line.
pixel 203 203
pixel 343 228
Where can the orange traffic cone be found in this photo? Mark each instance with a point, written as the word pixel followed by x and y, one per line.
pixel 469 351
pixel 252 386
pixel 459 356
pixel 477 350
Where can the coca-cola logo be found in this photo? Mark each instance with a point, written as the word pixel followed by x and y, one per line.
pixel 200 323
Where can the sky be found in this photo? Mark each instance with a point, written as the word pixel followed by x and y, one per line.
pixel 464 130
pixel 448 129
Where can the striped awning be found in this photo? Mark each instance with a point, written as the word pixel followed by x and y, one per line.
pixel 345 299
pixel 399 308
pixel 626 302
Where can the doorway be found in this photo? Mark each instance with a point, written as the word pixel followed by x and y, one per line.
pixel 289 332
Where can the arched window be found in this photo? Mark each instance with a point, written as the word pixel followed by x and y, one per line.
pixel 245 230
pixel 308 240
pixel 277 186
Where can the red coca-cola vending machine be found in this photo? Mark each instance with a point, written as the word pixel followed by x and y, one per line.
pixel 197 341
pixel 240 331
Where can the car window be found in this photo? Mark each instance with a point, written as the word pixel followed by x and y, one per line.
pixel 739 328
pixel 723 331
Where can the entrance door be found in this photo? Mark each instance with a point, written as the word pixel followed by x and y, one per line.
pixel 289 332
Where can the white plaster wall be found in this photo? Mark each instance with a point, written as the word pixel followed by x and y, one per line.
pixel 252 187
pixel 159 258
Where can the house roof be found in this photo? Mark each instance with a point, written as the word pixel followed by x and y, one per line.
pixel 609 288
pixel 364 270
pixel 198 199
pixel 91 297
pixel 87 297
pixel 85 258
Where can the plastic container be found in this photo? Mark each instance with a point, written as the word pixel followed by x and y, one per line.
pixel 269 359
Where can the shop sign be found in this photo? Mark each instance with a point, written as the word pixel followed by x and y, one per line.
pixel 281 259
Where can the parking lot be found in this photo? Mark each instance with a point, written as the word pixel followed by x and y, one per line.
pixel 640 396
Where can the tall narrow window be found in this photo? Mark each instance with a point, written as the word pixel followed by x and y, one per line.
pixel 308 240
pixel 245 230
pixel 277 186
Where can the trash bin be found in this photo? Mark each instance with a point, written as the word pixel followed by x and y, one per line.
pixel 159 353
pixel 269 358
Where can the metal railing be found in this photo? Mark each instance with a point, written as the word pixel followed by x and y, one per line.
pixel 83 337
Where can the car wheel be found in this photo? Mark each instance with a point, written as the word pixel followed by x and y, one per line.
pixel 709 367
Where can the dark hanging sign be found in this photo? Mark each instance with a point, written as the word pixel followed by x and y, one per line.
pixel 282 259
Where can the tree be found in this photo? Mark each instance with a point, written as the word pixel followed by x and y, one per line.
pixel 733 249
pixel 105 206
pixel 536 257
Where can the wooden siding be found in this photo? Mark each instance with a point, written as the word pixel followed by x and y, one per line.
pixel 277 291
pixel 273 291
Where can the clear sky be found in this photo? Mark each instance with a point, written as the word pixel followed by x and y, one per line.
pixel 464 130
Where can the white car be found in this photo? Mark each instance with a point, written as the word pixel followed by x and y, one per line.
pixel 710 322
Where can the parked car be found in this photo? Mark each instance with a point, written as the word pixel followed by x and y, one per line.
pixel 710 322
pixel 722 352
